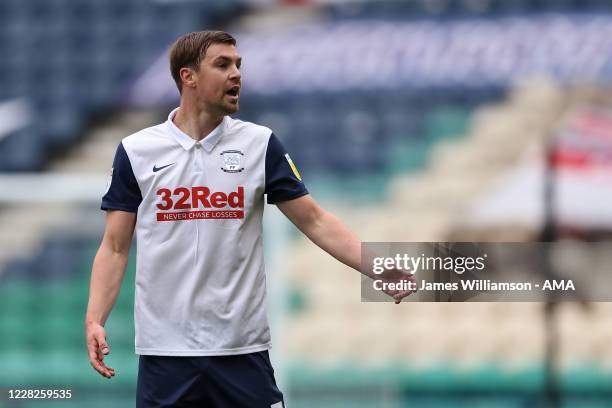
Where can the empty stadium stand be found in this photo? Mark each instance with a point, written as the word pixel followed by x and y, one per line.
pixel 401 164
pixel 71 61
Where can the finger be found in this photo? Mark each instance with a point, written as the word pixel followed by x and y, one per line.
pixel 107 371
pixel 103 346
pixel 99 355
pixel 95 359
pixel 110 371
pixel 92 350
pixel 96 356
pixel 399 296
pixel 101 368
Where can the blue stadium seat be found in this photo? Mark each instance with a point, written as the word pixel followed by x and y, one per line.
pixel 22 151
pixel 16 268
pixel 58 258
pixel 74 56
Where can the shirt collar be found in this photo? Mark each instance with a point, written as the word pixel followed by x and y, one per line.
pixel 187 142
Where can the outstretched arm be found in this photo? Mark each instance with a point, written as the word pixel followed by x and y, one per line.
pixel 106 277
pixel 329 233
pixel 324 229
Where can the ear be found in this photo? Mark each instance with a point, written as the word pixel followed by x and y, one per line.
pixel 188 77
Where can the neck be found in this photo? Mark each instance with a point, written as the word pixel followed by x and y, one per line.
pixel 196 123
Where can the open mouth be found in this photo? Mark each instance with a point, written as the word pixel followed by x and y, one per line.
pixel 233 91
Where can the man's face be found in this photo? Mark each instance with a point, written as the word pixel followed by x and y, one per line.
pixel 218 79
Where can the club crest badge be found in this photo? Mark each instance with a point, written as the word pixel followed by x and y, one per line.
pixel 232 161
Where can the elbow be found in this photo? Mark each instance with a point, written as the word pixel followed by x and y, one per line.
pixel 120 252
pixel 116 249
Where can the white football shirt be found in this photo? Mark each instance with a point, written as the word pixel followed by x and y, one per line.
pixel 200 281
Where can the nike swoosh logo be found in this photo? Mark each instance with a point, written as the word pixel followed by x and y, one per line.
pixel 156 169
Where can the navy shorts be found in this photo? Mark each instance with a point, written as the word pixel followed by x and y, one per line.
pixel 244 380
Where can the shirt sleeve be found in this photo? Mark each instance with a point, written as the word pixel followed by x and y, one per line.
pixel 283 181
pixel 123 192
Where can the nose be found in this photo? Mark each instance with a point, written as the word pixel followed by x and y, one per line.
pixel 235 73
